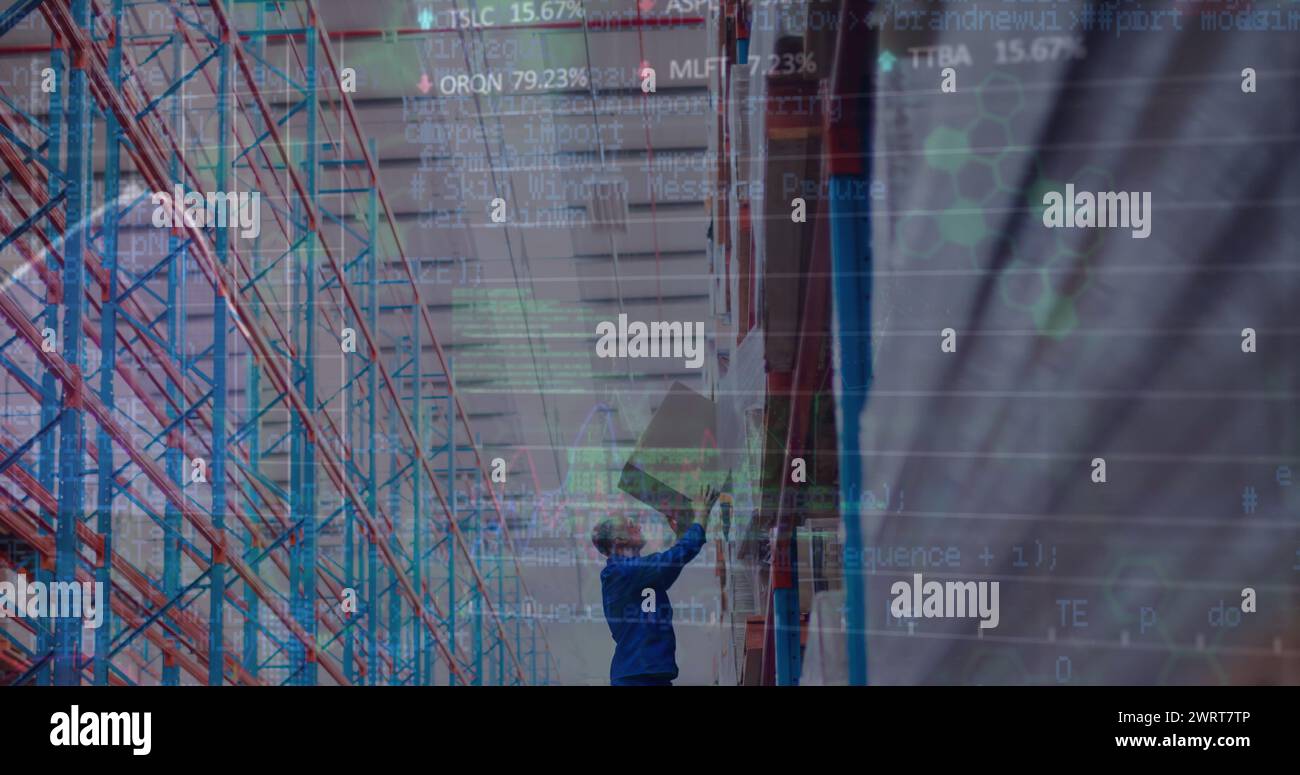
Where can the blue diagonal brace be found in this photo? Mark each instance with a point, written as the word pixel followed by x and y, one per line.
pixel 17 454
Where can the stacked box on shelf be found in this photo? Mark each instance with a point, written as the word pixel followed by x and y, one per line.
pixel 820 559
pixel 738 198
pixel 793 154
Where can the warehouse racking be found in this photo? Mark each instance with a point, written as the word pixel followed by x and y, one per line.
pixel 387 559
pixel 792 317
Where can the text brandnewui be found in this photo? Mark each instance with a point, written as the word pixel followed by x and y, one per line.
pixel 652 340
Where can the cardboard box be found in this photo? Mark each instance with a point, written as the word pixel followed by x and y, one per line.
pixel 676 455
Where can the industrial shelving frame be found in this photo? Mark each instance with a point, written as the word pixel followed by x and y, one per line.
pixel 426 555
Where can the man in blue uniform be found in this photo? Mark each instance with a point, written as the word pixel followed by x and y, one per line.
pixel 634 590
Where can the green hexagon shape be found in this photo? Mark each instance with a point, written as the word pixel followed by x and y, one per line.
pixel 963 223
pixel 947 149
pixel 1000 95
pixel 1055 315
pixel 1039 189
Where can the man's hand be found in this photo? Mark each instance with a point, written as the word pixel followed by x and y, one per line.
pixel 703 504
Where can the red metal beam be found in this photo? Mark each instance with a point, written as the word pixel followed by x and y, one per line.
pixel 241 60
pixel 151 170
pixel 185 444
pixel 12 516
pixel 269 601
pixel 373 169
